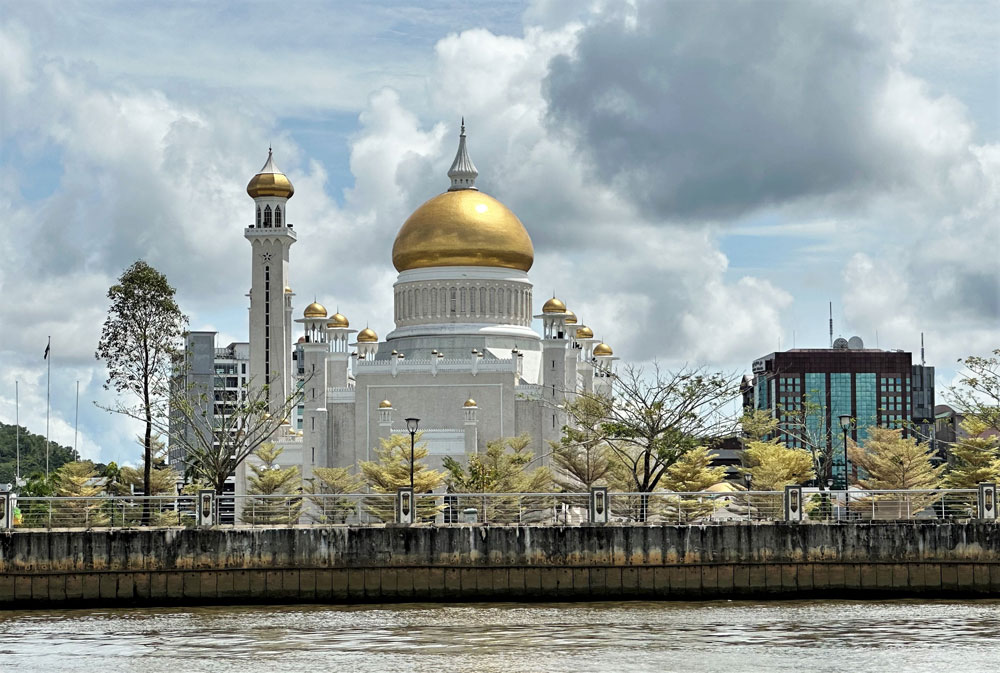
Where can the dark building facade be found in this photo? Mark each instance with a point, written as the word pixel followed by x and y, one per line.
pixel 808 390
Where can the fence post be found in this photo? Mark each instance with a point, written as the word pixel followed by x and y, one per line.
pixel 598 504
pixel 6 511
pixel 987 508
pixel 793 503
pixel 404 505
pixel 206 507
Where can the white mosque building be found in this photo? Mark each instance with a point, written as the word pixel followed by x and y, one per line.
pixel 463 357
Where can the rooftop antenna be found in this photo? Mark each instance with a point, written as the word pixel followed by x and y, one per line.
pixel 922 361
pixel 831 324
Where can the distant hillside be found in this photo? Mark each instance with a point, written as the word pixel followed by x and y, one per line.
pixel 32 453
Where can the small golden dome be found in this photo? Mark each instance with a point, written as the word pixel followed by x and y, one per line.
pixel 602 349
pixel 571 318
pixel 462 228
pixel 315 310
pixel 301 340
pixel 553 306
pixel 270 181
pixel 385 404
pixel 470 403
pixel 367 336
pixel 288 290
pixel 338 320
pixel 584 332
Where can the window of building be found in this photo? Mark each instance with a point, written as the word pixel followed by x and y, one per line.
pixel 277 216
pixel 453 305
pixel 258 216
pixel 267 216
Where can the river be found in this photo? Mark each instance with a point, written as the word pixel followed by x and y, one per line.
pixel 818 635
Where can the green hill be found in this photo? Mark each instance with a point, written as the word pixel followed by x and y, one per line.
pixel 32 453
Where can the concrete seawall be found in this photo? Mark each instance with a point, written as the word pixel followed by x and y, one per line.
pixel 255 565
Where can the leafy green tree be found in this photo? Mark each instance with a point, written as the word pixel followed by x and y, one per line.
pixel 976 456
pixel 583 457
pixel 326 483
pixel 692 473
pixel 269 479
pixel 139 340
pixel 758 425
pixel 32 453
pixel 390 471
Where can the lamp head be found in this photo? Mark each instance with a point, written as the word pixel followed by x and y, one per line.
pixel 412 424
pixel 845 421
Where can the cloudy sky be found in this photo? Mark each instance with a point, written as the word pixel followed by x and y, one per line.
pixel 699 179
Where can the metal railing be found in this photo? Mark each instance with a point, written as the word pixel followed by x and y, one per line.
pixel 544 509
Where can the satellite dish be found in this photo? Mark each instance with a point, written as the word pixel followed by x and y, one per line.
pixel 855 343
pixel 840 343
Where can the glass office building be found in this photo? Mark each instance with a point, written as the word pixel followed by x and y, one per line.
pixel 808 390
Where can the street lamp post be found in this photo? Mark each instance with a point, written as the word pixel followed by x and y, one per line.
pixel 845 424
pixel 411 425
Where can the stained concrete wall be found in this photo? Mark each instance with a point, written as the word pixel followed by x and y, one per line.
pixel 495 563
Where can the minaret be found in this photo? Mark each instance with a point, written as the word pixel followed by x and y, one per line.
pixel 270 238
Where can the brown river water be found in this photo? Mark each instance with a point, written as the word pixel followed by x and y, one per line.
pixel 802 636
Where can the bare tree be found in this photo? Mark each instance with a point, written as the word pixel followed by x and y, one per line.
pixel 978 391
pixel 583 456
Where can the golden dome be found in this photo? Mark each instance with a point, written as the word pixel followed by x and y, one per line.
pixel 584 332
pixel 553 306
pixel 462 228
pixel 270 181
pixel 315 310
pixel 571 318
pixel 603 349
pixel 367 336
pixel 470 403
pixel 385 404
pixel 338 320
pixel 288 290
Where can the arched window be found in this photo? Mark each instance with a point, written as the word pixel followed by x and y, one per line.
pixel 453 295
pixel 258 216
pixel 493 300
pixel 267 216
pixel 472 300
pixel 482 300
pixel 277 216
pixel 462 302
pixel 434 302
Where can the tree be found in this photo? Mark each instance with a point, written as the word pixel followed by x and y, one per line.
pixel 657 418
pixel 692 473
pixel 270 479
pixel 804 422
pixel 326 483
pixel 976 456
pixel 390 471
pixel 79 484
pixel 758 425
pixel 138 342
pixel 128 480
pixel 582 456
pixel 978 391
pixel 893 462
pixel 501 469
pixel 32 452
pixel 772 465
pixel 218 437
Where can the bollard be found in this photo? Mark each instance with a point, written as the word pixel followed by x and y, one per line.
pixel 6 511
pixel 598 504
pixel 793 503
pixel 206 508
pixel 404 505
pixel 470 515
pixel 987 508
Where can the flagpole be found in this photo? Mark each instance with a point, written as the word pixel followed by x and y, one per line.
pixel 48 389
pixel 17 432
pixel 76 426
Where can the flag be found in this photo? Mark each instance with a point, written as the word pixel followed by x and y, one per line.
pixel 47 346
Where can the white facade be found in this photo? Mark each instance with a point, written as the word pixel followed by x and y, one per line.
pixel 463 357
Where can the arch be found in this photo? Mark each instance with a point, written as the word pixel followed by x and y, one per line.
pixel 277 216
pixel 463 295
pixel 453 297
pixel 482 300
pixel 493 300
pixel 267 216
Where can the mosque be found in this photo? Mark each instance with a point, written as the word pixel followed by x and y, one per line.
pixel 463 357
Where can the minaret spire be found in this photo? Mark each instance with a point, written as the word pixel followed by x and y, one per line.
pixel 462 172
